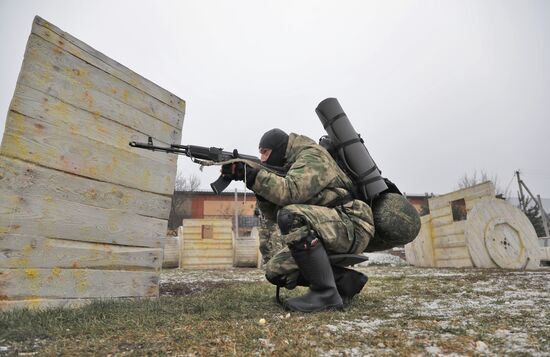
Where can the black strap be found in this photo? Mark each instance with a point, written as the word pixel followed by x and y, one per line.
pixel 331 121
pixel 371 180
pixel 277 296
pixel 349 142
pixel 362 176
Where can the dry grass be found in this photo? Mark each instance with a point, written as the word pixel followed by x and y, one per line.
pixel 403 311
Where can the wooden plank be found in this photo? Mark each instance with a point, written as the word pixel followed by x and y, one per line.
pixel 441 212
pixel 42 304
pixel 37 105
pixel 420 251
pixel 452 229
pixel 27 251
pixel 208 254
pixel 40 142
pixel 485 189
pixel 47 81
pixel 201 260
pixel 455 263
pixel 495 215
pixel 55 218
pixel 61 64
pixel 451 241
pixel 205 266
pixel 27 179
pixel 442 221
pixel 171 252
pixel 78 48
pixel 451 253
pixel 19 284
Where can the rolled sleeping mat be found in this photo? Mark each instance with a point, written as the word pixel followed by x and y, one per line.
pixel 350 148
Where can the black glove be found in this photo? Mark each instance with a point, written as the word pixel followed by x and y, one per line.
pixel 236 171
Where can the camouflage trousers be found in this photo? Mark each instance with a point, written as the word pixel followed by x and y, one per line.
pixel 346 229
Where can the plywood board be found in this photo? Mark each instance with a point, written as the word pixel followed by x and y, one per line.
pixel 171 252
pixel 40 142
pixel 26 179
pixel 28 251
pixel 81 50
pixel 420 251
pixel 199 252
pixel 516 247
pixel 21 284
pixel 52 217
pixel 82 214
pixel 485 189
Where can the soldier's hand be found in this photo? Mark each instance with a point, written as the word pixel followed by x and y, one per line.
pixel 234 171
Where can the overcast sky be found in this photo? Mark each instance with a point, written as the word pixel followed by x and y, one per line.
pixel 437 89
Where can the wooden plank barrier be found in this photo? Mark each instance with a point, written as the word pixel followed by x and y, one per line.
pixel 480 231
pixel 82 215
pixel 206 244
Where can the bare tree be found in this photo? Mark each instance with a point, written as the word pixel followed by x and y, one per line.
pixel 189 184
pixel 184 187
pixel 471 180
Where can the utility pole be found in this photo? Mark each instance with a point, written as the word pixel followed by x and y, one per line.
pixel 537 201
pixel 521 196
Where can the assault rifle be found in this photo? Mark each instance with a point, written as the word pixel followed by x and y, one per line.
pixel 207 156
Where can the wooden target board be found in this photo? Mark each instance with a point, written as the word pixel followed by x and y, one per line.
pixel 500 235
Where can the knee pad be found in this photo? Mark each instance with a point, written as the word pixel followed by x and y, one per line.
pixel 288 220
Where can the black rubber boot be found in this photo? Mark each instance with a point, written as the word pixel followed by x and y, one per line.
pixel 315 268
pixel 348 282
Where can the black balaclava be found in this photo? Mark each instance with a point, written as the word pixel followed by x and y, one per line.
pixel 276 140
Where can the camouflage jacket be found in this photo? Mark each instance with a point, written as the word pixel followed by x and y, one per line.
pixel 313 177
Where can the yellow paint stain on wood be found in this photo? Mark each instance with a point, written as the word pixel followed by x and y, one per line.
pixel 80 281
pixel 31 274
pixel 56 272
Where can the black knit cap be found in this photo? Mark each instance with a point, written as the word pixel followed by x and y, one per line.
pixel 276 140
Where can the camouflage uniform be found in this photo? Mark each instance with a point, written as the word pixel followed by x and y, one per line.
pixel 314 182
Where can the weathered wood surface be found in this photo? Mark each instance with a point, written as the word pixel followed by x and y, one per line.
pixel 450 253
pixel 21 284
pixel 485 189
pixel 450 241
pixel 420 251
pixel 81 50
pixel 27 251
pixel 40 142
pixel 26 179
pixel 52 217
pixel 516 248
pixel 198 252
pixel 171 252
pixel 245 251
pixel 455 263
pixel 45 58
pixel 450 229
pixel 42 304
pixel 82 214
pixel 37 105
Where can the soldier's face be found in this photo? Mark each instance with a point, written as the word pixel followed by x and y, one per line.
pixel 264 154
